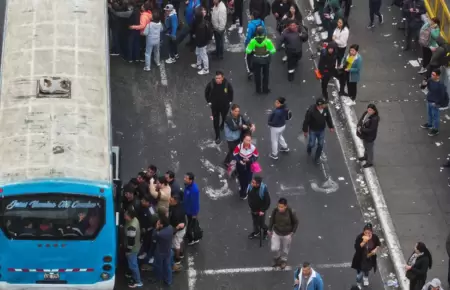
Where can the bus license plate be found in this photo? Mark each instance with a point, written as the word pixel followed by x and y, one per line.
pixel 51 276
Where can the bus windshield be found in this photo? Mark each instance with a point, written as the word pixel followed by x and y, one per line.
pixel 52 216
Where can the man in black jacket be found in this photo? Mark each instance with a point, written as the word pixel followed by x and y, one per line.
pixel 259 203
pixel 147 217
pixel 413 11
pixel 177 218
pixel 316 119
pixel 175 188
pixel 261 6
pixel 327 66
pixel 219 96
pixel 280 8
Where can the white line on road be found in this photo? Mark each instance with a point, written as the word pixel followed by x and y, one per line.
pixel 192 273
pixel 162 71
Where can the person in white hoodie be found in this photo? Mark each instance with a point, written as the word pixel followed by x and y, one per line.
pixel 152 33
pixel 340 36
pixel 219 20
pixel 434 284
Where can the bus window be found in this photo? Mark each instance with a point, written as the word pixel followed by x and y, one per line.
pixel 56 216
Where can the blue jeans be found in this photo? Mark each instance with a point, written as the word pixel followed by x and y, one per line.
pixel 433 116
pixel 360 275
pixel 149 48
pixel 320 137
pixel 185 31
pixel 133 45
pixel 219 37
pixel 134 267
pixel 163 268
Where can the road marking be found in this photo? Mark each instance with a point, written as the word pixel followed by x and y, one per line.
pixel 192 273
pixel 169 114
pixel 162 71
pixel 224 191
pixel 291 190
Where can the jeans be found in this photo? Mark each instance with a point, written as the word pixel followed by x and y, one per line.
pixel 374 9
pixel 134 267
pixel 280 246
pixel 134 43
pixel 151 47
pixel 360 275
pixel 292 60
pixel 163 268
pixel 202 57
pixel 320 137
pixel 219 37
pixel 276 137
pixel 433 116
pixel 368 151
pixel 216 114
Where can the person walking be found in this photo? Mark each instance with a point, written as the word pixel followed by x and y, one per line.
pixel 259 203
pixel 253 24
pixel 327 66
pixel 262 48
pixel 171 23
pixel 277 125
pixel 219 21
pixel 292 38
pixel 191 205
pixel 365 258
pixel 236 126
pixel 163 237
pixel 331 13
pixel 132 244
pixel 340 37
pixel 282 226
pixel 429 33
pixel 306 278
pixel 245 155
pixel 434 284
pixel 317 117
pixel 261 6
pixel 280 10
pixel 374 9
pixel 237 22
pixel 366 130
pixel 177 219
pixel 350 75
pixel 413 9
pixel 417 266
pixel 219 95
pixel 152 32
pixel 203 32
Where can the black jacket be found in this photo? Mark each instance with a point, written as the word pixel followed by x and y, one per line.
pixel 327 61
pixel 147 217
pixel 414 18
pixel 293 40
pixel 281 8
pixel 261 6
pixel 369 128
pixel 278 117
pixel 219 95
pixel 359 252
pixel 420 268
pixel 177 215
pixel 255 202
pixel 316 121
pixel 175 189
pixel 200 30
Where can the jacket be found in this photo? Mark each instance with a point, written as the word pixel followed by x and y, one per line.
pixel 175 189
pixel 262 49
pixel 219 17
pixel 278 117
pixel 233 127
pixel 219 96
pixel 333 8
pixel 316 121
pixel 255 202
pixel 434 34
pixel 177 216
pixel 280 8
pixel 190 11
pixel 200 30
pixel 359 252
pixel 438 58
pixel 314 282
pixel 327 61
pixel 163 240
pixel 251 29
pixel 171 23
pixel 153 32
pixel 262 6
pixel 144 20
pixel 162 195
pixel 132 241
pixel 437 93
pixel 147 217
pixel 369 128
pixel 420 268
pixel 191 200
pixel 355 70
pixel 283 223
pixel 414 19
pixel 293 40
pixel 340 36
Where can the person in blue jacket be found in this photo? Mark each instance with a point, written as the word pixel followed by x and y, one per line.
pixel 171 24
pixel 189 15
pixel 191 204
pixel 255 22
pixel 351 71
pixel 307 279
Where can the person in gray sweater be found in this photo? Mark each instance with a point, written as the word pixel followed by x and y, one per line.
pixel 293 38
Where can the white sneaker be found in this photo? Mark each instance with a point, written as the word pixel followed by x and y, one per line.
pixel 170 60
pixel 284 58
pixel 422 70
pixel 241 30
pixel 142 256
pixel 203 72
pixel 197 66
pixel 146 68
pixel 158 64
pixel 366 281
pixel 232 27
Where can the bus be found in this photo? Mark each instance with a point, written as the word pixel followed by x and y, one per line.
pixel 58 168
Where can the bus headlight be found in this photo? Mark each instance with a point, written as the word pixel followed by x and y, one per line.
pixel 104 276
pixel 107 259
pixel 107 267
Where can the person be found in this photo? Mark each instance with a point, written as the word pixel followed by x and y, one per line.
pixel 413 9
pixel 147 220
pixel 202 30
pixel 163 237
pixel 429 33
pixel 144 19
pixel 331 13
pixel 437 97
pixel 191 205
pixel 177 218
pixel 261 48
pixel 151 172
pixel 417 266
pixel 161 192
pixel 134 40
pixel 171 24
pixel 219 95
pixel 306 278
pixel 132 243
pixel 259 203
pixel 374 9
pixel 152 32
pixel 119 15
pixel 340 37
pixel 294 14
pixel 316 118
pixel 351 74
pixel 130 198
pixel 253 24
pixel 245 154
pixel 366 130
pixel 175 188
pixel 447 247
pixel 282 226
pixel 327 66
pixel 365 258
pixel 236 126
pixel 189 17
pixel 292 38
pixel 237 22
pixel 261 6
pixel 434 284
pixel 277 125
pixel 347 7
pixel 280 10
pixel 219 21
pixel 440 57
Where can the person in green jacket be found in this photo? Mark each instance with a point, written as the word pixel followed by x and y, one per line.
pixel 332 12
pixel 262 48
pixel 133 245
pixel 431 27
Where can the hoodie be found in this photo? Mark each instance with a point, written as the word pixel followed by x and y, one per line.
pixel 327 61
pixel 144 20
pixel 191 199
pixel 433 283
pixel 171 23
pixel 278 117
pixel 190 11
pixel 251 29
pixel 153 32
pixel 314 282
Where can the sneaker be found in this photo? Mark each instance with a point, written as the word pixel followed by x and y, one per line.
pixel 366 281
pixel 177 262
pixel 158 64
pixel 218 141
pixel 197 66
pixel 422 70
pixel 284 149
pixel 191 243
pixel 142 256
pixel 244 197
pixel 249 75
pixel 433 132
pixel 177 268
pixel 232 27
pixel 350 103
pixel 253 235
pixel 425 126
pixel 146 68
pixel 274 157
pixel 142 60
pixel 370 26
pixel 136 285
pixel 196 241
pixel 170 60
pixel 284 59
pixel 241 30
pixel 150 261
pixel 181 255
pixel 203 72
pixel 381 19
pixel 276 262
pixel 367 165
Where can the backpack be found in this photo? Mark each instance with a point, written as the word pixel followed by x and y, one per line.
pixel 425 36
pixel 288 114
pixel 288 209
pixel 262 189
pixel 208 30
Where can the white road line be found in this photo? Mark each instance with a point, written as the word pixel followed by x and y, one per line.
pixel 168 109
pixel 162 71
pixel 192 273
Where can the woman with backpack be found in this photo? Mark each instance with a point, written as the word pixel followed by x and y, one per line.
pixel 429 33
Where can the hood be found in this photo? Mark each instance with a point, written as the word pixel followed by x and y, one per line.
pixel 256 22
pixel 332 44
pixel 435 283
pixel 260 39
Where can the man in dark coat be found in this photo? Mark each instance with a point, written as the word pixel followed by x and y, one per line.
pixel 413 11
pixel 259 203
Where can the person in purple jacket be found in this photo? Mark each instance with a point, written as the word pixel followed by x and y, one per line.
pixel 191 204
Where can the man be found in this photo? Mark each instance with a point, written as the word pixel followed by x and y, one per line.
pixel 163 237
pixel 171 24
pixel 307 279
pixel 151 172
pixel 177 218
pixel 280 9
pixel 262 48
pixel 440 57
pixel 191 206
pixel 259 203
pixel 132 243
pixel 253 24
pixel 219 95
pixel 219 21
pixel 437 97
pixel 317 117
pixel 277 125
pixel 413 11
pixel 374 9
pixel 261 6
pixel 130 198
pixel 189 16
pixel 147 219
pixel 293 38
pixel 332 11
pixel 327 66
pixel 282 226
pixel 434 284
pixel 175 188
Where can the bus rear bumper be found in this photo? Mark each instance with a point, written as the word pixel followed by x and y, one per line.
pixel 104 285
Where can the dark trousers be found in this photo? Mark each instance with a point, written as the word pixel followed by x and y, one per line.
pixel 344 80
pixel 261 71
pixel 218 112
pixel 185 31
pixel 134 45
pixel 374 9
pixel 249 62
pixel 238 11
pixel 115 35
pixel 219 37
pixel 416 284
pixel 189 228
pixel 325 80
pixel 340 54
pixel 347 7
pixel 426 56
pixel 173 47
pixel 259 222
pixel 176 6
pixel 231 146
pixel 412 32
pixel 163 268
pixel 245 177
pixel 292 60
pixel 142 46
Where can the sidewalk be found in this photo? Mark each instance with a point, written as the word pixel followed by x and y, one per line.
pixel 407 160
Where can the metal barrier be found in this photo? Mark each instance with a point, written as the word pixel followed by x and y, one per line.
pixel 438 8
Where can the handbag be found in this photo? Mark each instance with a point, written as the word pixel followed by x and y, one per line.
pixel 410 275
pixel 255 167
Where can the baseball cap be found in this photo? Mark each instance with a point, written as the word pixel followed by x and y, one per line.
pixel 435 283
pixel 168 7
pixel 321 102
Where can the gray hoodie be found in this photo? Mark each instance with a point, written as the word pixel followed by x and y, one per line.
pixel 153 32
pixel 293 40
pixel 433 283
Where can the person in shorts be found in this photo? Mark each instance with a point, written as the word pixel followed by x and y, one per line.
pixel 177 218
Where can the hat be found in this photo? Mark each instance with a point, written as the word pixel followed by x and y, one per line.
pixel 169 7
pixel 435 283
pixel 321 102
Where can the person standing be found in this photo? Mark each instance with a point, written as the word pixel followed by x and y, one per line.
pixel 219 21
pixel 175 188
pixel 307 278
pixel 282 226
pixel 417 266
pixel 327 66
pixel 189 17
pixel 317 117
pixel 429 33
pixel 366 130
pixel 191 205
pixel 261 48
pixel 245 154
pixel 171 23
pixel 340 36
pixel 277 125
pixel 160 191
pixel 253 24
pixel 351 74
pixel 219 95
pixel 152 32
pixel 146 216
pixel 237 22
pixel 177 218
pixel 280 10
pixel 365 258
pixel 163 237
pixel 374 9
pixel 434 284
pixel 203 31
pixel 413 9
pixel 259 203
pixel 144 19
pixel 331 13
pixel 132 243
pixel 292 38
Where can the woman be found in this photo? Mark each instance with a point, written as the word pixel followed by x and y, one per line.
pixel 245 154
pixel 429 34
pixel 144 19
pixel 365 257
pixel 418 265
pixel 340 36
pixel 152 33
pixel 351 69
pixel 367 129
